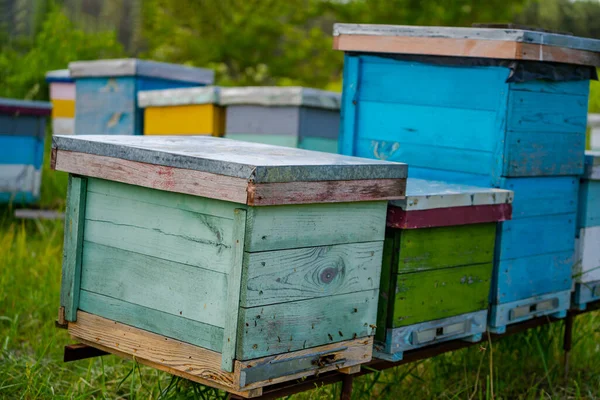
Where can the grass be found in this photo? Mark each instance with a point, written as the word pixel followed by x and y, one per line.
pixel 525 366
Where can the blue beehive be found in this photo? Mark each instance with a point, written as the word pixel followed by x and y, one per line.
pixel 106 91
pixel 485 107
pixel 22 134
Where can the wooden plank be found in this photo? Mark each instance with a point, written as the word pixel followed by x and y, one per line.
pixel 319 144
pixel 535 236
pixel 262 120
pixel 464 48
pixel 387 287
pixel 298 325
pixel 73 242
pixel 180 201
pixel 343 356
pixel 275 140
pixel 63 108
pixel 170 287
pixel 452 216
pixel 62 91
pixel 589 199
pixel 198 364
pixel 580 88
pixel 195 119
pixel 521 278
pixel 153 176
pixel 443 247
pixel 351 74
pixel 267 194
pixel 290 275
pixel 587 261
pixel 234 282
pixel 151 320
pixel 170 234
pixel 288 227
pixel 63 126
pixel 441 293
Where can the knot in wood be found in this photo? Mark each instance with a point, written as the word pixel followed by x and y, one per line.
pixel 328 274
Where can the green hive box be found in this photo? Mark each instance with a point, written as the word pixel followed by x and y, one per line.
pixel 232 264
pixel 437 265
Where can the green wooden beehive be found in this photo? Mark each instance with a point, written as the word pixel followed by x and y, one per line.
pixel 437 265
pixel 233 264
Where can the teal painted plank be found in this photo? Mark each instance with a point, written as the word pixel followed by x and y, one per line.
pixel 179 328
pixel 546 113
pixel 347 136
pixel 589 204
pixel 446 127
pixel 299 274
pixel 319 144
pixel 580 88
pixel 543 154
pixel 234 281
pixel 288 227
pixel 71 270
pixel 275 140
pixel 181 236
pixel 185 202
pixel 527 237
pixel 542 196
pixel 182 290
pixel 381 81
pixel 282 328
pixel 427 156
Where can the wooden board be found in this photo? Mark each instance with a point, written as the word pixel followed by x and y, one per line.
pixel 62 91
pixel 588 213
pixel 63 108
pixel 275 140
pixel 273 277
pixel 587 256
pixel 195 119
pixel 277 96
pixel 592 165
pixel 24 107
pixel 435 248
pixel 400 219
pixel 63 126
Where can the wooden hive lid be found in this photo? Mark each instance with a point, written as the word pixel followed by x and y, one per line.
pixel 24 107
pixel 178 97
pixel 242 172
pixel 141 68
pixel 592 165
pixel 500 43
pixel 280 96
pixel 59 75
pixel 431 203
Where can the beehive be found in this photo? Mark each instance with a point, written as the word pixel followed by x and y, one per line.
pixel 187 111
pixel 248 264
pixel 586 271
pixel 62 97
pixel 283 116
pixel 503 108
pixel 106 92
pixel 437 265
pixel 22 137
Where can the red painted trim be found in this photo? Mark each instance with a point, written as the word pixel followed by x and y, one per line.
pixel 398 218
pixel 21 110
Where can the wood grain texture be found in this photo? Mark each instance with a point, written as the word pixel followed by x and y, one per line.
pixel 443 247
pixel 186 330
pixel 452 216
pixel 300 325
pixel 288 227
pixel 73 242
pixel 171 234
pixel 439 46
pixel 441 293
pixel 153 176
pixel 170 287
pixel 325 192
pixel 234 282
pixel 290 275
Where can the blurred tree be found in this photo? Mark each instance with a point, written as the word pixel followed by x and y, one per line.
pixel 577 17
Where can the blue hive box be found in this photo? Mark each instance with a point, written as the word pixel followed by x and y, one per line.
pixel 488 107
pixel 106 91
pixel 22 134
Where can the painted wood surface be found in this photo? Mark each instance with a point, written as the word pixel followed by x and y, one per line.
pixel 59 75
pixel 234 282
pixel 299 325
pixel 400 219
pixel 62 91
pixel 22 125
pixel 319 123
pixel 587 256
pixel 521 278
pixel 73 242
pixel 274 140
pixel 179 96
pixel 299 364
pixel 592 165
pixel 261 120
pixel 580 88
pixel 169 287
pixel 21 150
pixel 63 108
pixel 196 119
pixel 586 292
pixel 277 96
pixel 556 304
pixel 19 179
pixel 252 161
pixel 588 214
pixel 63 126
pixel 298 274
pixel 142 68
pixel 319 144
pixel 538 235
pixel 24 107
pixel 441 293
pixel 186 330
pixel 443 247
pixel 171 234
pixel 289 227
